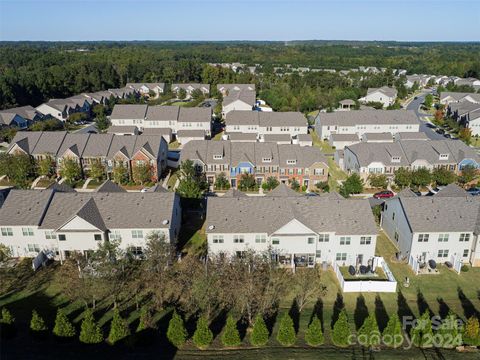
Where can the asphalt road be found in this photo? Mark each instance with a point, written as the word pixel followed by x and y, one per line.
pixel 415 106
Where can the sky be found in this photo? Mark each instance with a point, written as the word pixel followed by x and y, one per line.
pixel 401 20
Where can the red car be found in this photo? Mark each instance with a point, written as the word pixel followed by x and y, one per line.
pixel 384 194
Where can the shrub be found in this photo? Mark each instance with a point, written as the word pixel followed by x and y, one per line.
pixel 230 335
pixel 63 327
pixel 37 323
pixel 6 317
pixel 314 334
pixel 422 333
pixel 341 330
pixel 259 335
pixel 145 321
pixel 471 331
pixel 90 332
pixel 465 268
pixel 368 334
pixel 447 334
pixel 176 332
pixel 392 334
pixel 286 331
pixel 203 336
pixel 118 328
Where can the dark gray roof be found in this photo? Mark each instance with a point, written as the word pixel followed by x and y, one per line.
pixel 122 129
pixel 388 91
pixel 378 136
pixel 277 138
pixel 191 133
pixel 352 118
pixel 411 136
pixel 24 207
pixel 122 111
pixel 75 143
pixel 344 137
pixel 162 113
pixel 98 145
pixel 196 114
pixel 282 190
pixel 25 140
pixel 238 136
pixel 109 186
pixel 61 187
pixel 49 143
pixel 452 190
pixel 122 144
pixel 246 96
pixel 157 131
pixel 27 112
pixel 260 118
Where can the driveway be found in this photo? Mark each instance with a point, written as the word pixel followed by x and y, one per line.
pixel 415 106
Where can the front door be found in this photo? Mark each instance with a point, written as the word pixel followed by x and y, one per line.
pixel 234 183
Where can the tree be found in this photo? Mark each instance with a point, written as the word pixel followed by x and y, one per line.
pixel 46 166
pixel 465 134
pixel 368 334
pixel 306 286
pixel 270 183
pixel 145 320
pixel 97 170
pixel 120 173
pixel 392 334
pixel 192 183
pixel 18 168
pixel 428 101
pixel 323 186
pixel 102 122
pixel 118 328
pixel 176 332
pixel 6 317
pixel 403 177
pixel 448 335
pixel 422 333
pixel 341 330
pixel 63 327
pixel 352 185
pixel 231 336
pixel 221 182
pixel 378 181
pixel 90 331
pixel 70 170
pixel 37 323
pixel 197 94
pixel 443 176
pixel 203 336
pixel 471 331
pixel 259 335
pixel 421 177
pixel 468 174
pixel 294 184
pixel 5 252
pixel 314 333
pixel 286 331
pixel 141 173
pixel 182 94
pixel 247 182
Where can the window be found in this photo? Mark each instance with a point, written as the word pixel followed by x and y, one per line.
pixel 275 241
pixel 323 238
pixel 365 240
pixel 463 237
pixel 291 162
pixel 97 237
pixel 33 247
pixel 341 257
pixel 50 235
pixel 267 160
pixel 62 237
pixel 27 231
pixel 442 237
pixel 345 240
pixel 7 232
pixel 217 239
pixel 137 234
pixel 465 253
pixel 442 253
pixel 423 237
pixel 217 157
pixel 318 171
pixel 260 239
pixel 238 239
pixel 311 240
pixel 115 235
pixel 136 250
pixel 318 253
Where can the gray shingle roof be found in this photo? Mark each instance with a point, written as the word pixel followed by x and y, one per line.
pixel 162 113
pixel 277 138
pixel 122 111
pixel 98 145
pixel 238 136
pixel 260 118
pixel 75 143
pixel 411 136
pixel 247 96
pixel 157 131
pixel 282 190
pixel 377 136
pixel 452 190
pixel 26 140
pixel 235 87
pixel 458 96
pixel 122 144
pixel 27 112
pixel 49 143
pixel 191 133
pixel 388 91
pixel 196 114
pixel 344 137
pixel 122 129
pixel 24 207
pixel 367 117
pixel 110 186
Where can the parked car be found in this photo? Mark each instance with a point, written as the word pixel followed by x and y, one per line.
pixel 440 131
pixel 448 136
pixel 386 194
pixel 474 191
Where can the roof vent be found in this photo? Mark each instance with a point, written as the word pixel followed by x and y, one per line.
pixel 211 227
pixel 165 222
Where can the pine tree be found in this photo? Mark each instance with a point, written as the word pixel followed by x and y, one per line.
pixel 63 327
pixel 203 336
pixel 118 328
pixel 422 333
pixel 471 331
pixel 176 332
pixel 259 335
pixel 447 334
pixel 230 335
pixel 392 334
pixel 37 323
pixel 90 332
pixel 7 317
pixel 368 334
pixel 286 331
pixel 314 334
pixel 145 321
pixel 341 330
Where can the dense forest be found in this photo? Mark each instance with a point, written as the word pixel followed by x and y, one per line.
pixel 31 73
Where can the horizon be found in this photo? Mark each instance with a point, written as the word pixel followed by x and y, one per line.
pixel 247 21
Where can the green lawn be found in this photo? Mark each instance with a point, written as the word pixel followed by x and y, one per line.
pixel 335 175
pixel 323 145
pixel 172 180
pixel 218 136
pixel 475 142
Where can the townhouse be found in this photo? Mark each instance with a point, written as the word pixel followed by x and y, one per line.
pixel 454 97
pixel 61 109
pixel 306 165
pixel 290 124
pixel 366 121
pixel 64 223
pixel 241 100
pixel 190 88
pixel 19 117
pixel 385 158
pixel 467 114
pixel 385 95
pixel 85 149
pixel 444 227
pixel 420 80
pixel 225 89
pixel 145 89
pixel 299 231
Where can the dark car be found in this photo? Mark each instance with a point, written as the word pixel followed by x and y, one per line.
pixel 474 191
pixel 416 192
pixel 415 98
pixel 430 125
pixel 440 131
pixel 448 136
pixel 386 194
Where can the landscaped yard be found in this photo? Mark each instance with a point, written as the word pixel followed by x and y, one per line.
pixel 335 175
pixel 173 145
pixel 323 145
pixel 475 142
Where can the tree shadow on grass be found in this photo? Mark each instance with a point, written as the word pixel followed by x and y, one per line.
pixel 443 308
pixel 338 306
pixel 469 309
pixel 423 305
pixel 361 312
pixel 270 320
pixel 318 312
pixel 404 311
pixel 218 323
pixel 294 313
pixel 381 313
